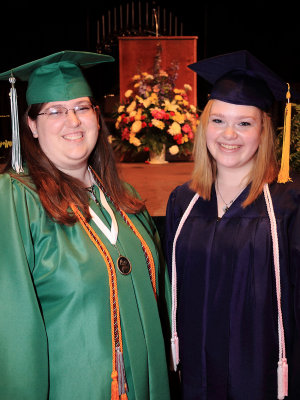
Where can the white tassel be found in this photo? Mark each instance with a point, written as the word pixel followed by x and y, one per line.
pixel 121 372
pixel 282 379
pixel 16 161
pixel 174 352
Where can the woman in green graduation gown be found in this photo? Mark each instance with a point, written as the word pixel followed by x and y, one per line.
pixel 82 287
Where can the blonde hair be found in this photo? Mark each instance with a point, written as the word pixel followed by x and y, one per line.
pixel 265 168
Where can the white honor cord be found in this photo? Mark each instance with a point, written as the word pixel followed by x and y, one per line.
pixel 282 369
pixel 174 339
pixel 112 233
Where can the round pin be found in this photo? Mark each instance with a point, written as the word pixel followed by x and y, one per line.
pixel 124 265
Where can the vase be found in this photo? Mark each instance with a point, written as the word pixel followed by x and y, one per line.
pixel 158 158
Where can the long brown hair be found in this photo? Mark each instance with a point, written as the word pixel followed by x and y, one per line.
pixel 265 168
pixel 57 189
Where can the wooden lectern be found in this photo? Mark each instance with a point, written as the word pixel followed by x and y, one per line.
pixel 137 54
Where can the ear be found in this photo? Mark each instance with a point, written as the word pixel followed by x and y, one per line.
pixel 32 126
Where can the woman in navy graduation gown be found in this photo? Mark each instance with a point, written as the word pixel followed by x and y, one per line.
pixel 236 296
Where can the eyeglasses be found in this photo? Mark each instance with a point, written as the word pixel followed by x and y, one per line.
pixel 61 112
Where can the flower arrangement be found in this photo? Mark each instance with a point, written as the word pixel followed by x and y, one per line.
pixel 156 115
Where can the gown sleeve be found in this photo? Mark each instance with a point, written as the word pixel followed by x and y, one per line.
pixel 23 342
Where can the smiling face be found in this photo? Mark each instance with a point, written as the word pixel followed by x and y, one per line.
pixel 233 135
pixel 69 139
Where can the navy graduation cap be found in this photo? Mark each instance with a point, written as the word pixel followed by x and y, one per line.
pixel 240 78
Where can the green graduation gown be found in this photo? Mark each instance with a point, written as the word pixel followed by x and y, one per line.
pixel 55 330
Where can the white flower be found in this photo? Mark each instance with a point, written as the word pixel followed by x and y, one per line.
pixel 193 108
pixel 174 129
pixel 187 87
pixel 174 150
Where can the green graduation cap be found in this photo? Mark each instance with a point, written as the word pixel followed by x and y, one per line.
pixel 57 77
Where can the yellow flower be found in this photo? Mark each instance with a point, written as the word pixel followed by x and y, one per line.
pixel 128 93
pixel 149 77
pixel 121 109
pixel 117 124
pixel 174 129
pixel 137 84
pixel 138 115
pixel 170 106
pixel 134 140
pixel 178 97
pixel 139 99
pixel 162 73
pixel 193 108
pixel 136 77
pixel 154 98
pixel 132 113
pixel 136 126
pixel 158 124
pixel 131 107
pixel 110 138
pixel 147 102
pixel 179 91
pixel 178 118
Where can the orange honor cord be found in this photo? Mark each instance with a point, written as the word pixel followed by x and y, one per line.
pixel 119 384
pixel 116 332
pixel 145 247
pixel 146 250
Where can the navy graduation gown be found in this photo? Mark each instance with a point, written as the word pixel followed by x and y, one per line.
pixel 227 308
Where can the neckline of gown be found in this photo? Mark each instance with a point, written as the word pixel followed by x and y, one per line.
pixel 233 209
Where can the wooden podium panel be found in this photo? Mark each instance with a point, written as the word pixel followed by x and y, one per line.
pixel 137 54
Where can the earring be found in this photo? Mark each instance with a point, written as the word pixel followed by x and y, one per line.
pixel 35 134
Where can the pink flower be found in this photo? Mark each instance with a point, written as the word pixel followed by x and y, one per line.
pixel 186 128
pixel 158 113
